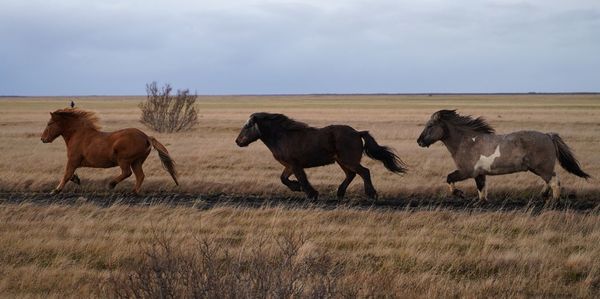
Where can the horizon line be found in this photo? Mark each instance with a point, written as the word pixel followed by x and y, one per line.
pixel 329 94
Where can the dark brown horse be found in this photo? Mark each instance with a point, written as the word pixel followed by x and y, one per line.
pixel 477 151
pixel 297 146
pixel 87 146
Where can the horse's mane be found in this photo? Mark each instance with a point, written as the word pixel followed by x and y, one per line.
pixel 88 117
pixel 466 122
pixel 281 121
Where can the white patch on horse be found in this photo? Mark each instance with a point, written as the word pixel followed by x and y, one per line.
pixel 474 138
pixel 247 122
pixel 485 163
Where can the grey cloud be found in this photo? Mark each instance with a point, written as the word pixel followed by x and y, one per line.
pixel 224 47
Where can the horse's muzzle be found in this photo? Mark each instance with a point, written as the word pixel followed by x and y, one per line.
pixel 240 143
pixel 422 143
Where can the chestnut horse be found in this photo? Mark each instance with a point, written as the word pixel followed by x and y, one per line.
pixel 297 146
pixel 87 146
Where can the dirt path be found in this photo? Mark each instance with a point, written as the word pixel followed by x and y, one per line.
pixel 202 201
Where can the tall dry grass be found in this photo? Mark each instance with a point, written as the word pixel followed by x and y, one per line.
pixel 210 162
pixel 83 250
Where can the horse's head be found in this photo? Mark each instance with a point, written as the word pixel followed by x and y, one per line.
pixel 54 128
pixel 435 129
pixel 249 133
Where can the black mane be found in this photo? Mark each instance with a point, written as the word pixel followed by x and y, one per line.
pixel 280 121
pixel 466 122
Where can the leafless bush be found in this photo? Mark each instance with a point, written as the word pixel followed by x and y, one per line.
pixel 285 266
pixel 164 112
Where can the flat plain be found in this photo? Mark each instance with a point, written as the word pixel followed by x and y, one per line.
pixel 210 162
pixel 80 248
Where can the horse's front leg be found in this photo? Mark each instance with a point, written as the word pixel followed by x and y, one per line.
pixel 481 187
pixel 69 172
pixel 285 179
pixel 311 193
pixel 456 176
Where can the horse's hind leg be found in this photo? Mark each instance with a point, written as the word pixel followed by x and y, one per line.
pixel 552 184
pixel 311 193
pixel 551 180
pixel 125 173
pixel 139 175
pixel 344 185
pixel 555 186
pixel 365 174
pixel 285 179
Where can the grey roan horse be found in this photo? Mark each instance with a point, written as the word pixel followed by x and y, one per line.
pixel 297 146
pixel 477 151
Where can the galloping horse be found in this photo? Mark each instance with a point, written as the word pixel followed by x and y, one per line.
pixel 87 146
pixel 477 151
pixel 297 146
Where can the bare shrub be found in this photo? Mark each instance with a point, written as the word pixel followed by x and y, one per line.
pixel 275 267
pixel 164 112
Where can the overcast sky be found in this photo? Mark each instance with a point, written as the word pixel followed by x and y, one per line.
pixel 83 47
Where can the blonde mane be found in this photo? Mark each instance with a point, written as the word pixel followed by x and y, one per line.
pixel 87 117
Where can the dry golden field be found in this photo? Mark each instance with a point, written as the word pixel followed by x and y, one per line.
pixel 210 162
pixel 81 248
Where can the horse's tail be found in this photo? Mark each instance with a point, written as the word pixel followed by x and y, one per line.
pixel 566 158
pixel 165 159
pixel 382 153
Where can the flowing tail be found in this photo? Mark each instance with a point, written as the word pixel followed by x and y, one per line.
pixel 165 159
pixel 566 158
pixel 382 153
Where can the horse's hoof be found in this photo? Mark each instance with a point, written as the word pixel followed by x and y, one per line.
pixel 313 195
pixel 458 193
pixel 54 192
pixel 75 179
pixel 112 185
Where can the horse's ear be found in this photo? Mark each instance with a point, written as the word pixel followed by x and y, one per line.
pixel 251 121
pixel 253 118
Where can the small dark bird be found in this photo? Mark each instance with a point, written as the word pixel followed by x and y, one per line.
pixel 72 104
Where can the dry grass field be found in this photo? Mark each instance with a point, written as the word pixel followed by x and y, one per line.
pixel 83 249
pixel 210 162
